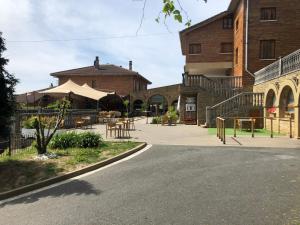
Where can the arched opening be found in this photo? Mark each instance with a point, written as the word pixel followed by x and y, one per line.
pixel 286 103
pixel 158 104
pixel 137 106
pixel 270 103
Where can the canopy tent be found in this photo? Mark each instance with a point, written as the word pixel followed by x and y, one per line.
pixel 71 87
pixel 96 93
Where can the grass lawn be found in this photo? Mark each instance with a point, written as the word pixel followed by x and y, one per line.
pixel 21 169
pixel 257 132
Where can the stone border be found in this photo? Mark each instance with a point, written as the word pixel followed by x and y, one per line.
pixel 53 180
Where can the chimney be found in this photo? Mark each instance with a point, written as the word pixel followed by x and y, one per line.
pixel 97 63
pixel 130 65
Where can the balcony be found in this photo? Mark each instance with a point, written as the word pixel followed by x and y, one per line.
pixel 283 66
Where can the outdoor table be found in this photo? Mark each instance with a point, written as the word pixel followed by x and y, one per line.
pixel 241 121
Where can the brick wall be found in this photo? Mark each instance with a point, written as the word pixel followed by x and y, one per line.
pixel 239 35
pixel 285 30
pixel 210 36
pixel 123 85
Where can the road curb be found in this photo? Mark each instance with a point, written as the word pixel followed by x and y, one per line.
pixel 53 180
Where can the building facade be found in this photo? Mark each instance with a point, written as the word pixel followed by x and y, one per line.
pixel 280 83
pixel 105 77
pixel 231 46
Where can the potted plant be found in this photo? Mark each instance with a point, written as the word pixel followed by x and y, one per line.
pixel 272 112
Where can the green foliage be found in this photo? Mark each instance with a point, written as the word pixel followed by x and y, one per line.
pixel 156 120
pixel 172 114
pixel 73 139
pixel 29 123
pixel 64 140
pixel 7 89
pixel 171 10
pixel 144 106
pixel 32 122
pixel 89 140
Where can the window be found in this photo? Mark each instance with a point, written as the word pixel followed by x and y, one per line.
pixel 226 47
pixel 236 55
pixel 195 49
pixel 93 83
pixel 237 24
pixel 228 22
pixel 268 13
pixel 267 49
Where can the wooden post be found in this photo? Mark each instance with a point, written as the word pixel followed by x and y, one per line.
pixel 252 127
pixel 291 126
pixel 271 127
pixel 224 141
pixel 217 123
pixel 9 145
pixel 234 122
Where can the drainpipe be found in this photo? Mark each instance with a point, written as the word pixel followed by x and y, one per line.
pixel 246 43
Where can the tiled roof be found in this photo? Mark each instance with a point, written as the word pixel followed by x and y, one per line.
pixel 104 70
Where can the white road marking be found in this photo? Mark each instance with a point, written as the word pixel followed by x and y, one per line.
pixel 78 177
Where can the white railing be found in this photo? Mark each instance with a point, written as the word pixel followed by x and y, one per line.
pixel 285 65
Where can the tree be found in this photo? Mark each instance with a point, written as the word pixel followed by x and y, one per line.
pixel 7 89
pixel 50 125
pixel 170 9
pixel 126 104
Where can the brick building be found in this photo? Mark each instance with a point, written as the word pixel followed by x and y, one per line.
pixel 105 77
pixel 224 51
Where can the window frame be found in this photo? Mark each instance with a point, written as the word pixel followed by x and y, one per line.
pixel 262 19
pixel 262 54
pixel 224 52
pixel 226 24
pixel 194 44
pixel 94 83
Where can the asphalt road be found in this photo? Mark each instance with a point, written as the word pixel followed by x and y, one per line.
pixel 174 185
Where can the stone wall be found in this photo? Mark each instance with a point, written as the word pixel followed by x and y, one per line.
pixel 278 85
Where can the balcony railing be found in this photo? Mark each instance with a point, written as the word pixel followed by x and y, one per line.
pixel 285 65
pixel 207 83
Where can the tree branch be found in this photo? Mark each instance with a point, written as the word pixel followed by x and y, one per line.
pixel 142 18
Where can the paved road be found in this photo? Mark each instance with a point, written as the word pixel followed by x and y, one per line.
pixel 174 185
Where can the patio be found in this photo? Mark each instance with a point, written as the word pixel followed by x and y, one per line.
pixel 192 135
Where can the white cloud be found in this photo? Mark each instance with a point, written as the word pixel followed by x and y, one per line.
pixel 157 57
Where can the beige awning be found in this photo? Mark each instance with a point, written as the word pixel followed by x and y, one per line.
pixel 96 93
pixel 71 87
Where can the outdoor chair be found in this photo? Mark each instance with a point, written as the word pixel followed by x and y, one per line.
pixel 79 122
pixel 125 128
pixel 131 123
pixel 110 127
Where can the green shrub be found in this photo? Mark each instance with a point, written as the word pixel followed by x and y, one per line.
pixel 64 140
pixel 89 140
pixel 73 139
pixel 29 123
pixel 156 120
pixel 172 114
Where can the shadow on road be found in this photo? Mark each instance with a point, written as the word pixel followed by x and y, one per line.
pixel 75 187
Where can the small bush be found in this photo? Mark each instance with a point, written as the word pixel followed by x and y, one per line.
pixel 29 123
pixel 156 120
pixel 89 140
pixel 73 139
pixel 64 140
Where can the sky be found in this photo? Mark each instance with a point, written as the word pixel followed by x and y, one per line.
pixel 45 36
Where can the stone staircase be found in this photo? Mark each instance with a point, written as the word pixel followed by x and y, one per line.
pixel 238 105
pixel 224 87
